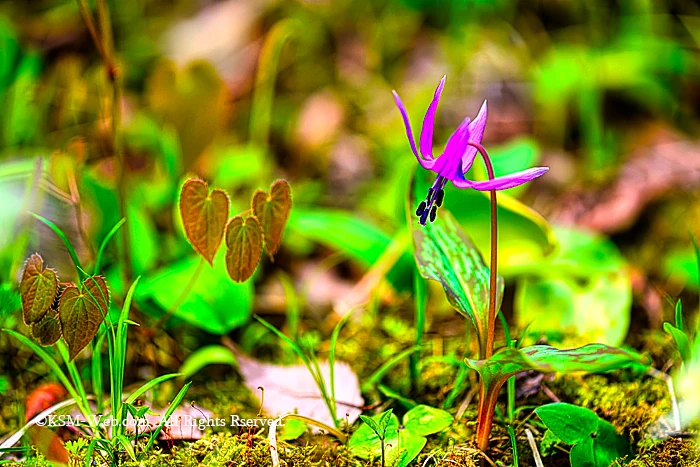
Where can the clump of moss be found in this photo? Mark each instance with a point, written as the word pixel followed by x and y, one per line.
pixel 632 406
pixel 672 452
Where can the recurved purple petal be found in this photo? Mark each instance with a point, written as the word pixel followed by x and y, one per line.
pixel 476 134
pixel 425 164
pixel 501 183
pixel 426 134
pixel 454 149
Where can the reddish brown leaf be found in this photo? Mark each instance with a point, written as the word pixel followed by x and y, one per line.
pixel 47 330
pixel 38 289
pixel 204 216
pixel 81 312
pixel 243 247
pixel 43 439
pixel 273 212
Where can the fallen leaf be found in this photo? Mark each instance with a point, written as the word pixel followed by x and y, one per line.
pixel 243 247
pixel 204 216
pixel 292 389
pixel 38 289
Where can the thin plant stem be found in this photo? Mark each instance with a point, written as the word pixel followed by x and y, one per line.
pixel 183 295
pixel 487 401
pixel 493 278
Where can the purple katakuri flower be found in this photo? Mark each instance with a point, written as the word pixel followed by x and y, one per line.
pixel 457 158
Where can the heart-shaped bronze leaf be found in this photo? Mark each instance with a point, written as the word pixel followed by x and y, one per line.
pixel 204 216
pixel 81 312
pixel 38 289
pixel 47 330
pixel 273 212
pixel 243 247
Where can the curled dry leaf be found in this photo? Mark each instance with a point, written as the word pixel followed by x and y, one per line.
pixel 204 216
pixel 243 247
pixel 81 312
pixel 38 289
pixel 47 330
pixel 273 212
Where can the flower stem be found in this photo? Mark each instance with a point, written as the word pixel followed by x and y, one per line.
pixel 493 278
pixel 487 401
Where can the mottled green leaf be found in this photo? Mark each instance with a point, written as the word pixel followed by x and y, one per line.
pixel 243 247
pixel 424 420
pixel 81 312
pixel 446 254
pixel 594 358
pixel 272 210
pixel 47 330
pixel 38 289
pixel 204 216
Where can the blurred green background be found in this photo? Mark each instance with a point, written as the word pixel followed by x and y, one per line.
pixel 241 92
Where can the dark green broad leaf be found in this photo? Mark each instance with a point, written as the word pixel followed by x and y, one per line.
pixel 593 358
pixel 81 312
pixel 47 330
pixel 596 443
pixel 244 239
pixel 38 289
pixel 446 254
pixel 214 303
pixel 272 210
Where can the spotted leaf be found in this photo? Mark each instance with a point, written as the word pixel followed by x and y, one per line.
pixel 81 312
pixel 204 216
pixel 273 212
pixel 38 289
pixel 243 247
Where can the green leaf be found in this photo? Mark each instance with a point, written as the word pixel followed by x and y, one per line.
pixel 365 442
pixel 596 443
pixel 47 330
pixel 348 233
pixel 681 339
pixel 593 358
pixel 38 289
pixel 208 355
pixel 273 213
pixel 679 316
pixel 215 304
pixel 204 216
pixel 571 424
pixel 81 311
pixel 585 290
pixel 374 426
pixel 446 254
pixel 244 239
pixel 384 422
pixel 292 429
pixel 524 236
pixel 423 420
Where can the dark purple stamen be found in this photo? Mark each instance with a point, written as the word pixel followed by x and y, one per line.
pixel 436 194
